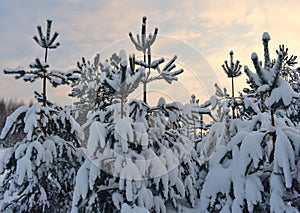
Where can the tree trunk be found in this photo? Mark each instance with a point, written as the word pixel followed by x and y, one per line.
pixel 233 104
pixel 145 91
pixel 44 90
pixel 45 81
pixel 201 126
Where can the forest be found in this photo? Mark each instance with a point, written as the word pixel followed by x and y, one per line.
pixel 237 151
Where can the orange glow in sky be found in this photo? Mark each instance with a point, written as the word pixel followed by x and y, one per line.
pixel 201 33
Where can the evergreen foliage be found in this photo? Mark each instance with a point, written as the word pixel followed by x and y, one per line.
pixel 39 170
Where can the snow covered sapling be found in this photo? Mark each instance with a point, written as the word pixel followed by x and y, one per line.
pixel 134 155
pixel 39 169
pixel 121 79
pixel 86 89
pixel 39 69
pixel 258 164
pixel 232 71
pixel 192 115
pixel 287 70
pixel 267 80
pixel 292 76
pixel 194 101
pixel 46 42
pixel 143 43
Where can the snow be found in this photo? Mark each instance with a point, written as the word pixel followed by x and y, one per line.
pixel 23 169
pixel 161 102
pixel 123 57
pixel 2 161
pixel 251 150
pixel 238 166
pixel 285 158
pixel 159 205
pixel 117 199
pixel 31 120
pixel 214 184
pixel 96 137
pixel 65 115
pixel 250 104
pixel 94 172
pixel 189 185
pixel 155 167
pixel 266 36
pixel 253 190
pixel 20 150
pixel 81 189
pixel 145 198
pixel 282 92
pixel 130 178
pixel 11 120
pixel 14 70
pixel 263 88
pixel 276 201
pixel 124 132
pixel 50 151
pixel 141 136
pixel 134 209
pixel 179 186
pixel 39 150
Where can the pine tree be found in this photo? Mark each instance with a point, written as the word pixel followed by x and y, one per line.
pixel 143 43
pixel 85 89
pixel 291 75
pixel 46 42
pixel 258 163
pixel 139 158
pixel 39 170
pixel 232 71
pixel 193 114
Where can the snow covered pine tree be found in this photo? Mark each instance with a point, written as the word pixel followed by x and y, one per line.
pixel 39 171
pixel 258 165
pixel 232 71
pixel 143 43
pixel 136 161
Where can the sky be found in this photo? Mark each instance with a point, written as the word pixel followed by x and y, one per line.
pixel 200 33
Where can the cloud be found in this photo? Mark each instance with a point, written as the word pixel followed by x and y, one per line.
pixel 205 32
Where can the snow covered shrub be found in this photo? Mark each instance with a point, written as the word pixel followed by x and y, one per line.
pixel 139 158
pixel 259 164
pixel 39 170
pixel 85 88
pixel 136 150
pixel 143 163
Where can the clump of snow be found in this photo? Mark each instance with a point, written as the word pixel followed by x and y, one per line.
pixel 96 137
pixel 283 92
pixel 253 191
pixel 23 169
pixel 134 209
pixel 141 136
pixel 266 36
pixel 214 184
pixel 124 132
pixel 284 158
pixel 159 205
pixel 11 120
pixel 130 178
